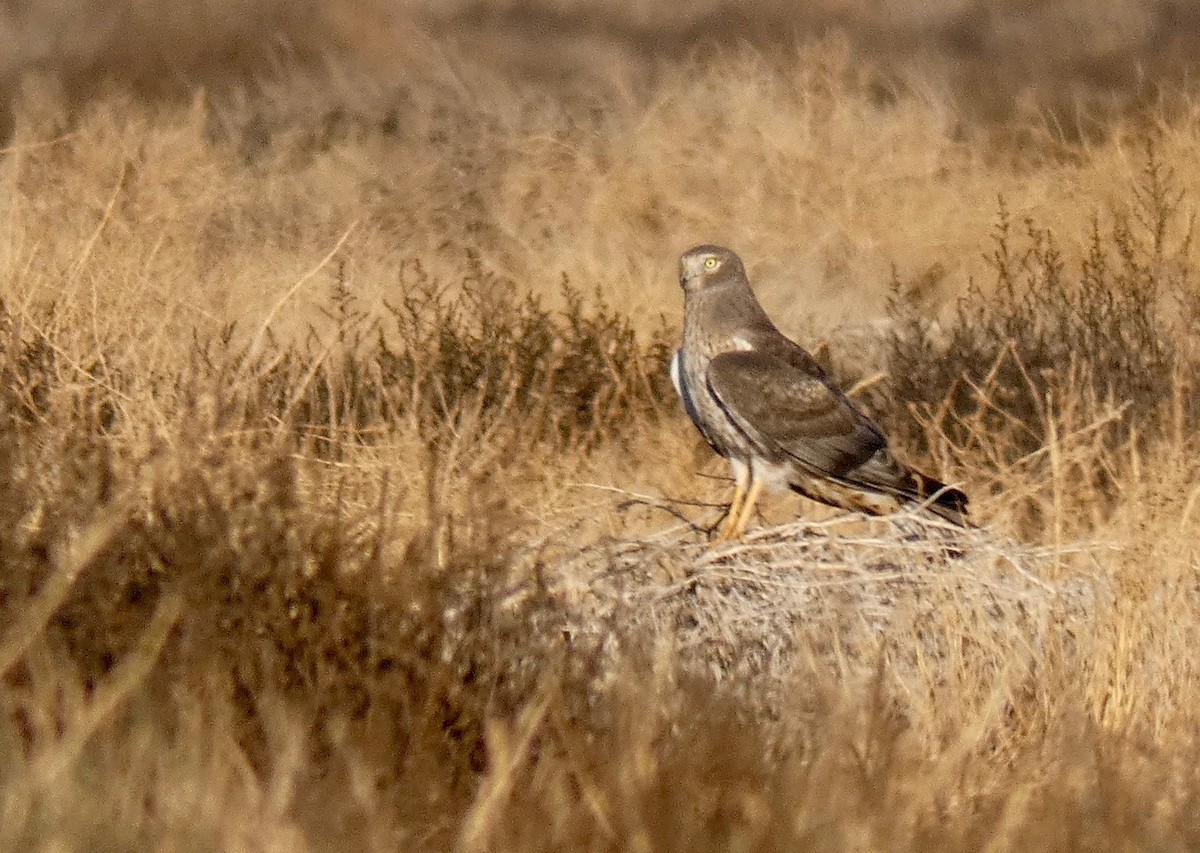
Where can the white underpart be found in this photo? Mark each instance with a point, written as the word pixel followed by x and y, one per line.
pixel 740 344
pixel 676 367
pixel 741 472
pixel 773 475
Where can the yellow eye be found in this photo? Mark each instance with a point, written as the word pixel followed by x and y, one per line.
pixel 710 263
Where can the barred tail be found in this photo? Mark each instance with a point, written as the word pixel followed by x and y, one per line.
pixel 942 500
pixel 886 473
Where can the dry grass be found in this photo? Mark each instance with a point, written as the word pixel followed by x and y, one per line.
pixel 344 501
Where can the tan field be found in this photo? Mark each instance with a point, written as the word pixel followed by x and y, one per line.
pixel 346 502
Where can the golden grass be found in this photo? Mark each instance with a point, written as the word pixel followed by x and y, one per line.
pixel 344 500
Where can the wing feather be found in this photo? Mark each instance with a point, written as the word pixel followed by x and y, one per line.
pixel 787 411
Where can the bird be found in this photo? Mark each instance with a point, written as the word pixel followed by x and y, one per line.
pixel 766 405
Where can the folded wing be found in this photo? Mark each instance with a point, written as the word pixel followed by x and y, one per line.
pixel 788 413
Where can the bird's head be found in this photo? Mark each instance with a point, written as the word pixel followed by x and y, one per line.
pixel 708 266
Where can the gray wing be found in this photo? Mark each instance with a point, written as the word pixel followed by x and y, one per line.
pixel 786 411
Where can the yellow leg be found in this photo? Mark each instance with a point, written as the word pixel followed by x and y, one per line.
pixel 743 517
pixel 739 493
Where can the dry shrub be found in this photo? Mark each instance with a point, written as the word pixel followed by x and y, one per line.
pixel 292 558
pixel 199 583
pixel 235 638
pixel 836 598
pixel 1054 367
pixel 477 350
pixel 198 551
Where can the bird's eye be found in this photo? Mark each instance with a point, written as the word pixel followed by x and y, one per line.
pixel 710 263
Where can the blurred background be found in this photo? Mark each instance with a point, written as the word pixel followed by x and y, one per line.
pixel 1075 59
pixel 834 143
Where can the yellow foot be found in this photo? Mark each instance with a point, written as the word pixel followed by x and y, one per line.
pixel 739 513
pixel 723 532
pixel 743 517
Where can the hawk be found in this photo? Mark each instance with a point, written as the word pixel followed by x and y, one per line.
pixel 762 402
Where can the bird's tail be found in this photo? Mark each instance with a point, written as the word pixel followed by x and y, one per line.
pixel 885 472
pixel 942 500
